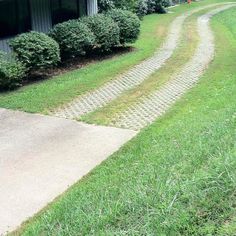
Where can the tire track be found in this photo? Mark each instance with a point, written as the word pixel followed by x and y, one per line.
pixel 111 90
pixel 148 109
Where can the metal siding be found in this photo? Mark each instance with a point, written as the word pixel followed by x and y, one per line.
pixel 92 7
pixel 4 45
pixel 41 15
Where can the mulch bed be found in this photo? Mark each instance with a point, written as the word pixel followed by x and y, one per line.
pixel 75 63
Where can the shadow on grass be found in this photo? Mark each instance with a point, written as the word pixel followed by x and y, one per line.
pixel 76 63
pixel 71 64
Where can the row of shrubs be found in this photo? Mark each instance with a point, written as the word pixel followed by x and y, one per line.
pixel 12 72
pixel 145 7
pixel 140 7
pixel 36 51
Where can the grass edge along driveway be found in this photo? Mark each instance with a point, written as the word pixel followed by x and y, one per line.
pixel 49 94
pixel 176 178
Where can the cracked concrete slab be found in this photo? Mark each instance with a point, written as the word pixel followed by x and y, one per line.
pixel 41 156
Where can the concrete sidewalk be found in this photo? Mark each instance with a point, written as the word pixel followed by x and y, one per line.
pixel 41 156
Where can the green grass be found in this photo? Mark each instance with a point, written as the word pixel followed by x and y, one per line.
pixel 188 43
pixel 184 52
pixel 50 94
pixel 177 177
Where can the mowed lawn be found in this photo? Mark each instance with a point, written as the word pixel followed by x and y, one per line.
pixel 176 178
pixel 47 95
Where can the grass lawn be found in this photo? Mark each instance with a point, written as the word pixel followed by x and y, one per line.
pixel 184 52
pixel 176 178
pixel 188 44
pixel 48 95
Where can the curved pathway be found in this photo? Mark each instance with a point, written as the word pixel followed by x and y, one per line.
pixel 148 109
pixel 111 90
pixel 48 153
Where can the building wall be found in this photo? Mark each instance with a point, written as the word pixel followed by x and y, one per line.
pixel 4 45
pixel 41 17
pixel 92 7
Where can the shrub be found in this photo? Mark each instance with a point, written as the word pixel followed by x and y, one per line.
pixel 151 6
pixel 106 31
pixel 160 8
pixel 142 8
pixel 36 50
pixel 73 37
pixel 128 23
pixel 125 5
pixel 145 7
pixel 105 5
pixel 11 72
pixel 167 3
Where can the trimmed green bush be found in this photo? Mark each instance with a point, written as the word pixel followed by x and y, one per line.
pixel 141 8
pixel 106 31
pixel 145 7
pixel 36 50
pixel 160 9
pixel 128 23
pixel 167 3
pixel 73 37
pixel 11 72
pixel 151 6
pixel 105 5
pixel 125 4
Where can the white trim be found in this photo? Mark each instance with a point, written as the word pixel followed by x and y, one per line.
pixel 92 7
pixel 4 45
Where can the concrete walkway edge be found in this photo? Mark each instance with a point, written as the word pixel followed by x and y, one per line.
pixel 41 156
